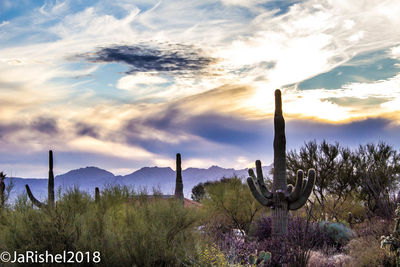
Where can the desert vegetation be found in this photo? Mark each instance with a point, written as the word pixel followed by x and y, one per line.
pixel 230 228
pixel 341 224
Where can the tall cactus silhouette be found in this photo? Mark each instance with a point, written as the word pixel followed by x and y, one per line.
pixel 96 195
pixel 283 197
pixel 178 182
pixel 50 200
pixel 2 189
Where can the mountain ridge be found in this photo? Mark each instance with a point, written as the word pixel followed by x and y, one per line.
pixel 163 178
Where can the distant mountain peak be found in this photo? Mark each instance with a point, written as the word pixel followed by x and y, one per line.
pixel 90 170
pixel 154 169
pixel 214 167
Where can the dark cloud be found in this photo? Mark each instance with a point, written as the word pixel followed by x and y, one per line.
pixel 166 121
pixel 83 129
pixel 45 125
pixel 8 128
pixel 349 134
pixel 212 128
pixel 245 136
pixel 142 58
pixel 229 130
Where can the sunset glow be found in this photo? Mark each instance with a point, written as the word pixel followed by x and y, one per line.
pixel 126 84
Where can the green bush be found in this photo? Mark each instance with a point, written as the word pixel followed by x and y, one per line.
pixel 338 233
pixel 128 229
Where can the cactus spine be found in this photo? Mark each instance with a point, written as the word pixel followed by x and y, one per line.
pixel 179 183
pixel 50 201
pixel 283 197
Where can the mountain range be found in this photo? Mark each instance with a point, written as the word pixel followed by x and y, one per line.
pixel 160 178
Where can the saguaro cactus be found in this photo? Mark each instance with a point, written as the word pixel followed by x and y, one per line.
pixel 50 200
pixel 2 189
pixel 179 183
pixel 283 197
pixel 96 195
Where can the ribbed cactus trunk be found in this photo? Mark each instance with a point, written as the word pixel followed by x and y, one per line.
pixel 280 212
pixel 96 195
pixel 50 187
pixel 178 182
pixel 2 189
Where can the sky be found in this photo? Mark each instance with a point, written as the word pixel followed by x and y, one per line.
pixel 125 84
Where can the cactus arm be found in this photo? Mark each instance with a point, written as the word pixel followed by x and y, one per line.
pixel 50 187
pixel 305 193
pixel 36 202
pixel 295 194
pixel 290 188
pixel 257 195
pixel 260 180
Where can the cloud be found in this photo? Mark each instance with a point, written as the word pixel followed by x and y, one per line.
pixel 143 79
pixel 45 125
pixel 348 134
pixel 83 129
pixel 367 68
pixel 354 101
pixel 141 58
pixel 196 76
pixel 7 129
pixel 4 23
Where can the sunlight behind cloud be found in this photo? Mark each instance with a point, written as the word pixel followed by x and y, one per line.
pixel 216 63
pixel 131 82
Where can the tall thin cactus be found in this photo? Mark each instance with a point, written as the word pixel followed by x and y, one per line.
pixel 178 182
pixel 50 200
pixel 2 189
pixel 96 195
pixel 283 197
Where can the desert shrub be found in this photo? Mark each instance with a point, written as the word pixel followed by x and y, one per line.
pixel 263 228
pixel 237 250
pixel 305 236
pixel 293 249
pixel 142 231
pixel 374 227
pixel 55 230
pixel 318 259
pixel 338 233
pixel 127 231
pixel 230 205
pixel 210 255
pixel 366 251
